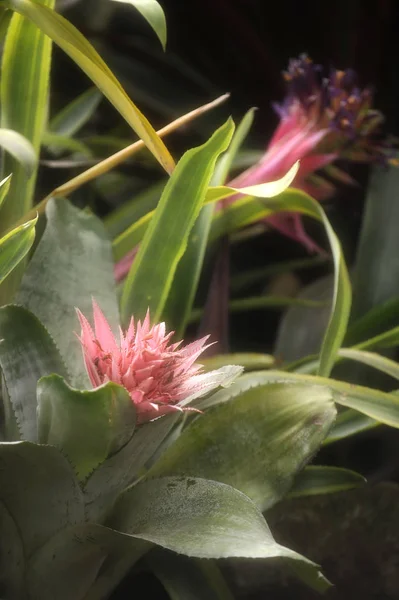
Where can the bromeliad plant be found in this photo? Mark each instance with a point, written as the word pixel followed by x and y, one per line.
pixel 114 446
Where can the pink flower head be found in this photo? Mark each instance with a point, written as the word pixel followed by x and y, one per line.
pixel 160 376
pixel 321 119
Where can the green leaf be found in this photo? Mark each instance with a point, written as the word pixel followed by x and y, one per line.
pixel 226 161
pixel 166 238
pixel 381 317
pixel 14 247
pixel 87 562
pixel 56 144
pixel 76 114
pixel 40 490
pixel 27 352
pixel 257 442
pixel 153 13
pixel 12 562
pixel 87 426
pixel 124 467
pixel 200 518
pixel 72 263
pixel 246 211
pixel 251 361
pixel 378 405
pixel 86 57
pixel 325 480
pixel 20 148
pixel 187 578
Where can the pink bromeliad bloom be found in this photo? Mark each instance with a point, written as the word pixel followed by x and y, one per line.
pixel 161 377
pixel 322 119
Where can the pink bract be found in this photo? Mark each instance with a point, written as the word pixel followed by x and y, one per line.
pixel 157 374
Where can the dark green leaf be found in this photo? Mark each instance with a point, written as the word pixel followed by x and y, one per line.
pixel 71 118
pixel 27 352
pixel 40 490
pixel 12 559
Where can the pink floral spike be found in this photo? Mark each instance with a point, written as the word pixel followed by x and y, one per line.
pixel 158 375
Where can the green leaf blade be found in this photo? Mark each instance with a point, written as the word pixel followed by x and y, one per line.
pixel 153 13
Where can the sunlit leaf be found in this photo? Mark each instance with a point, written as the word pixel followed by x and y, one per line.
pixel 153 13
pixel 20 148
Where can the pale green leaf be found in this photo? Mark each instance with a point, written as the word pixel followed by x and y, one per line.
pixel 153 13
pixel 20 148
pixel 14 246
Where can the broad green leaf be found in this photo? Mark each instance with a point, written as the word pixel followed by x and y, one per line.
pixel 14 246
pixel 63 33
pixel 76 114
pixel 24 89
pixel 87 562
pixel 40 490
pixel 166 238
pixel 4 188
pixel 12 562
pixel 200 518
pixel 251 361
pixel 259 302
pixel 380 406
pixel 124 467
pixel 27 353
pixel 20 148
pixel 316 480
pixel 246 211
pixel 257 442
pixel 87 426
pixel 72 263
pixel 153 13
pixel 187 578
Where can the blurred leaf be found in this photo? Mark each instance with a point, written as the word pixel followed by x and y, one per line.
pixel 376 275
pixel 72 263
pixel 153 13
pixel 257 442
pixel 20 148
pixel 165 241
pixel 130 212
pixel 76 114
pixel 14 246
pixel 246 211
pixel 87 426
pixel 226 161
pixel 251 361
pixel 86 57
pixel 253 276
pixel 316 480
pixel 40 490
pixel 25 70
pixel 383 316
pixel 87 562
pixel 349 422
pixel 200 518
pixel 186 578
pixel 378 405
pixel 124 467
pixel 265 302
pixel 385 365
pixel 12 562
pixel 56 144
pixel 27 352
